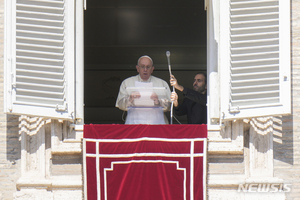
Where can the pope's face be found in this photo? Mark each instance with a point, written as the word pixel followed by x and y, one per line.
pixel 145 68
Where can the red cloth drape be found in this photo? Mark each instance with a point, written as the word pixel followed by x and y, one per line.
pixel 144 162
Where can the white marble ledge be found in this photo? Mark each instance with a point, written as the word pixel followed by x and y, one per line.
pixel 55 182
pixel 225 148
pixel 266 180
pixel 226 180
pixel 67 182
pixel 236 180
pixel 67 148
pixel 40 183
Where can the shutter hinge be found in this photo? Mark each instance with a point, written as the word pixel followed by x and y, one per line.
pixel 61 108
pixel 234 110
pixel 13 82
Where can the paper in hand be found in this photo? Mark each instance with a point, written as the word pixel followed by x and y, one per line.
pixel 145 90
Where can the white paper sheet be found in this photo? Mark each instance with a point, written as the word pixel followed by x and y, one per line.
pixel 145 92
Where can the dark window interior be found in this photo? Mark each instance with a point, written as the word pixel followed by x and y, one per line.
pixel 117 33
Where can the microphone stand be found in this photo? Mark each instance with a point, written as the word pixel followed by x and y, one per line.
pixel 172 104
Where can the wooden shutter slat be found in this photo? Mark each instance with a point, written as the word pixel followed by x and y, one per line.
pixel 41 33
pixel 36 79
pixel 41 47
pixel 40 59
pixel 39 53
pixel 44 102
pixel 39 20
pixel 256 103
pixel 31 6
pixel 39 66
pixel 40 93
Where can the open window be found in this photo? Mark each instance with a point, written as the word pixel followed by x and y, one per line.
pixel 117 33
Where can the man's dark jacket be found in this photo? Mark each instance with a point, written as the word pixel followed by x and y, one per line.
pixel 194 106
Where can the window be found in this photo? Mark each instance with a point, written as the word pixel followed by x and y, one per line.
pixel 40 58
pixel 254 60
pixel 118 33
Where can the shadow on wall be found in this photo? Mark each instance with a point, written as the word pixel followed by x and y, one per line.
pixel 13 144
pixel 283 139
pixel 10 162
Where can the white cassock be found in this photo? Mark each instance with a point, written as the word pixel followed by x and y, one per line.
pixel 144 114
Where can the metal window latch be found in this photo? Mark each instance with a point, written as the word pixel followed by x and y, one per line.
pixel 13 81
pixel 234 110
pixel 61 108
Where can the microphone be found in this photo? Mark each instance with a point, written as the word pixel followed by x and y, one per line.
pixel 168 53
pixel 169 65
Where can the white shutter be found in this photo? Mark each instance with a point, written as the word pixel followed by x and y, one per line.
pixel 258 70
pixel 39 58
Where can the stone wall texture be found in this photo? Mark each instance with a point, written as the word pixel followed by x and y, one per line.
pixel 287 141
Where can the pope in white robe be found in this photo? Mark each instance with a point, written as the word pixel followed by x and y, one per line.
pixel 146 104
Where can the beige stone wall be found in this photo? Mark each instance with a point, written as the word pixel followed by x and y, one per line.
pixel 10 149
pixel 287 140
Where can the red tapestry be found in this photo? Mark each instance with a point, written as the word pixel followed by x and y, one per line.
pixel 145 162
